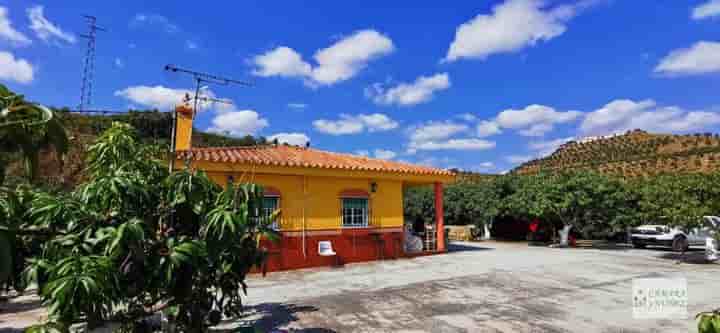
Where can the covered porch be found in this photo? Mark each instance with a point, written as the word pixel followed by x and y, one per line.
pixel 426 235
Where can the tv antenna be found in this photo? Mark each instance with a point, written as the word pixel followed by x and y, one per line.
pixel 200 78
pixel 89 63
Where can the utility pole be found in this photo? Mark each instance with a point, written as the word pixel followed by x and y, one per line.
pixel 199 78
pixel 89 63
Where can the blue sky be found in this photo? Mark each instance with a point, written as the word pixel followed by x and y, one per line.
pixel 479 85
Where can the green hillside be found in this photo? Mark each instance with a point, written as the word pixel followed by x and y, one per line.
pixel 635 153
pixel 153 127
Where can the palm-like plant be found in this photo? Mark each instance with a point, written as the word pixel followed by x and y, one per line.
pixel 135 239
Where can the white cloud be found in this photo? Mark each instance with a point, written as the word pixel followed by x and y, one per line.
pixel 295 139
pixel 517 159
pixel 297 106
pixel 623 115
pixel 9 33
pixel 453 144
pixel 238 123
pixel 336 63
pixel 701 58
pixel 191 45
pixel 282 61
pixel 377 122
pixel 534 120
pixel 161 21
pixel 467 116
pixel 44 29
pixel 483 167
pixel 436 131
pixel 407 94
pixel 15 69
pixel 119 63
pixel 487 128
pixel 708 9
pixel 362 152
pixel 544 148
pixel 513 25
pixel 384 154
pixel 338 127
pixel 354 124
pixel 159 97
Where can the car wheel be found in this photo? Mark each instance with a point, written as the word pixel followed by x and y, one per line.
pixel 680 244
pixel 638 245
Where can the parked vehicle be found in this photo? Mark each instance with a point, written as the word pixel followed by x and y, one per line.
pixel 679 240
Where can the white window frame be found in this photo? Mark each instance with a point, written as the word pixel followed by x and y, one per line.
pixel 355 213
pixel 267 212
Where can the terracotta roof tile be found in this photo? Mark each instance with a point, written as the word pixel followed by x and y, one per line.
pixel 292 156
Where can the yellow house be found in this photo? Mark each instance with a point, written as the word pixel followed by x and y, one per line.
pixel 353 202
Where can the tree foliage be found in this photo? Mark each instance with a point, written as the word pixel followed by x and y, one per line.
pixel 134 240
pixel 594 204
pixel 25 129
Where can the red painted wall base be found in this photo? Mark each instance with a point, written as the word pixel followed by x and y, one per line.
pixel 351 245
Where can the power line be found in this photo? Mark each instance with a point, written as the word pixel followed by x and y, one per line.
pixel 89 62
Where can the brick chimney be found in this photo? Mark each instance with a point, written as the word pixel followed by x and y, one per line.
pixel 183 127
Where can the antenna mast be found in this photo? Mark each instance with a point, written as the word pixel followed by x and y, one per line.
pixel 89 63
pixel 199 78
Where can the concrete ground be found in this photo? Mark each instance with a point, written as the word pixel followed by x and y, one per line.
pixel 481 287
pixel 477 287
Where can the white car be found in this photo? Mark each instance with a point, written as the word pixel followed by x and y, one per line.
pixel 662 235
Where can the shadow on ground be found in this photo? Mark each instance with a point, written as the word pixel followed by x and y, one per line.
pixel 692 256
pixel 17 306
pixel 454 247
pixel 271 317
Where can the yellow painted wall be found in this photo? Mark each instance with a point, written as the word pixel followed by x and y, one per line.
pixel 322 204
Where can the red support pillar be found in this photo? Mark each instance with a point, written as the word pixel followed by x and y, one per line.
pixel 439 217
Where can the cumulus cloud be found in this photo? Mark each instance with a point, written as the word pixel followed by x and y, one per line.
pixel 338 62
pixel 362 152
pixel 488 128
pixel 159 97
pixel 484 167
pixel 238 123
pixel 512 26
pixel 15 69
pixel 517 159
pixel 9 33
pixel 544 148
pixel 708 9
pixel 354 124
pixel 437 136
pixel 533 120
pixel 44 29
pixel 622 115
pixel 282 61
pixel 294 139
pixel 453 144
pixel 467 116
pixel 701 58
pixel 191 45
pixel 384 154
pixel 407 94
pixel 155 20
pixel 119 63
pixel 436 130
